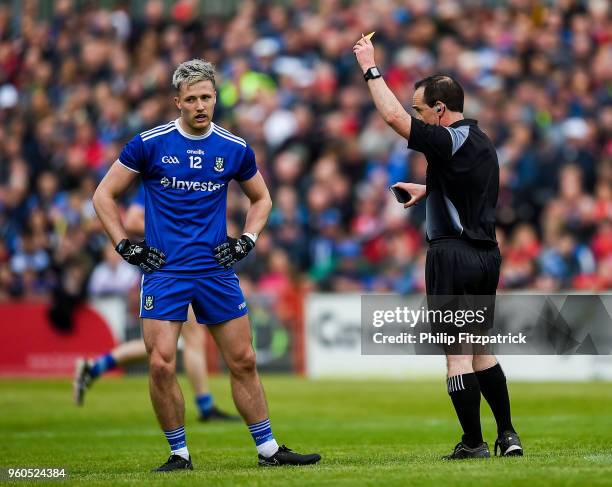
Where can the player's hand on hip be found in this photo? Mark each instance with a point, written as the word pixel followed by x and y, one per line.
pixel 364 52
pixel 233 250
pixel 149 259
pixel 417 192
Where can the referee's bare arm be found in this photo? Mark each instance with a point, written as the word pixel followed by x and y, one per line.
pixel 386 103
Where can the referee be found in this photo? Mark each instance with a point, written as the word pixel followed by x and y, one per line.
pixel 463 258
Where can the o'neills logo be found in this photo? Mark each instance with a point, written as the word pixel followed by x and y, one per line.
pixel 190 185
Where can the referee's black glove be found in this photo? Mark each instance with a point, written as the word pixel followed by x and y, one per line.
pixel 149 259
pixel 235 249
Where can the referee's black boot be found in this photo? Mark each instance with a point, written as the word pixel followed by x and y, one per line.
pixel 464 452
pixel 509 445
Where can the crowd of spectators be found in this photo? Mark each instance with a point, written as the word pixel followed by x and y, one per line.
pixel 75 86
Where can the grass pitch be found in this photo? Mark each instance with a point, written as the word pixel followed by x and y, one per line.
pixel 368 432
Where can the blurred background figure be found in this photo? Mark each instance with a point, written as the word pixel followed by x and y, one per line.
pixel 113 276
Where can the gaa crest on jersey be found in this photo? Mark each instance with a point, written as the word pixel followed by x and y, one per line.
pixel 170 160
pixel 219 161
pixel 148 302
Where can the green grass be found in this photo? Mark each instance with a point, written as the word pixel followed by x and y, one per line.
pixel 369 433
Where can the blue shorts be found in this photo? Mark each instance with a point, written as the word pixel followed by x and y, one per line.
pixel 215 299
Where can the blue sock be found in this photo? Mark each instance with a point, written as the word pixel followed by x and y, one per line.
pixel 263 437
pixel 102 364
pixel 205 403
pixel 178 442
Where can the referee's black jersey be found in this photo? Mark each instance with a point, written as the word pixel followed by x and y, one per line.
pixel 462 180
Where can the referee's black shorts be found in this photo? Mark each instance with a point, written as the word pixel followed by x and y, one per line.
pixel 457 267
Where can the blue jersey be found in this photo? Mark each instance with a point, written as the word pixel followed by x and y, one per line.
pixel 185 179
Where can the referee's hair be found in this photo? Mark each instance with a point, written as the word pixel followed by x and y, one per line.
pixel 444 88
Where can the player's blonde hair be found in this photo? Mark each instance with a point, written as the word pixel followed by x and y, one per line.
pixel 193 71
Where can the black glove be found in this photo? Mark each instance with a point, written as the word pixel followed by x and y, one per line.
pixel 149 259
pixel 235 249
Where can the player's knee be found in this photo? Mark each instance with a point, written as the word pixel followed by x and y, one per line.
pixel 161 368
pixel 243 363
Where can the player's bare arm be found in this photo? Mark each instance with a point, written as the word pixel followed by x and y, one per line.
pixel 235 249
pixel 114 184
pixel 387 104
pixel 261 204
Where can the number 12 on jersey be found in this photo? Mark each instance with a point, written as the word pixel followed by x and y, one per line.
pixel 195 162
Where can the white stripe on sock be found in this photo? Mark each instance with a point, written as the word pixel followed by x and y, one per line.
pixel 261 423
pixel 455 383
pixel 259 426
pixel 175 436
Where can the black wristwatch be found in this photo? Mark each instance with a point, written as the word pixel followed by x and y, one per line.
pixel 371 73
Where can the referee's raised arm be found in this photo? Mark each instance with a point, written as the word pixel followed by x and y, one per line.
pixel 386 103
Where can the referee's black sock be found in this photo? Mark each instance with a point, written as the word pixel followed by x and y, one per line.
pixel 495 390
pixel 465 394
